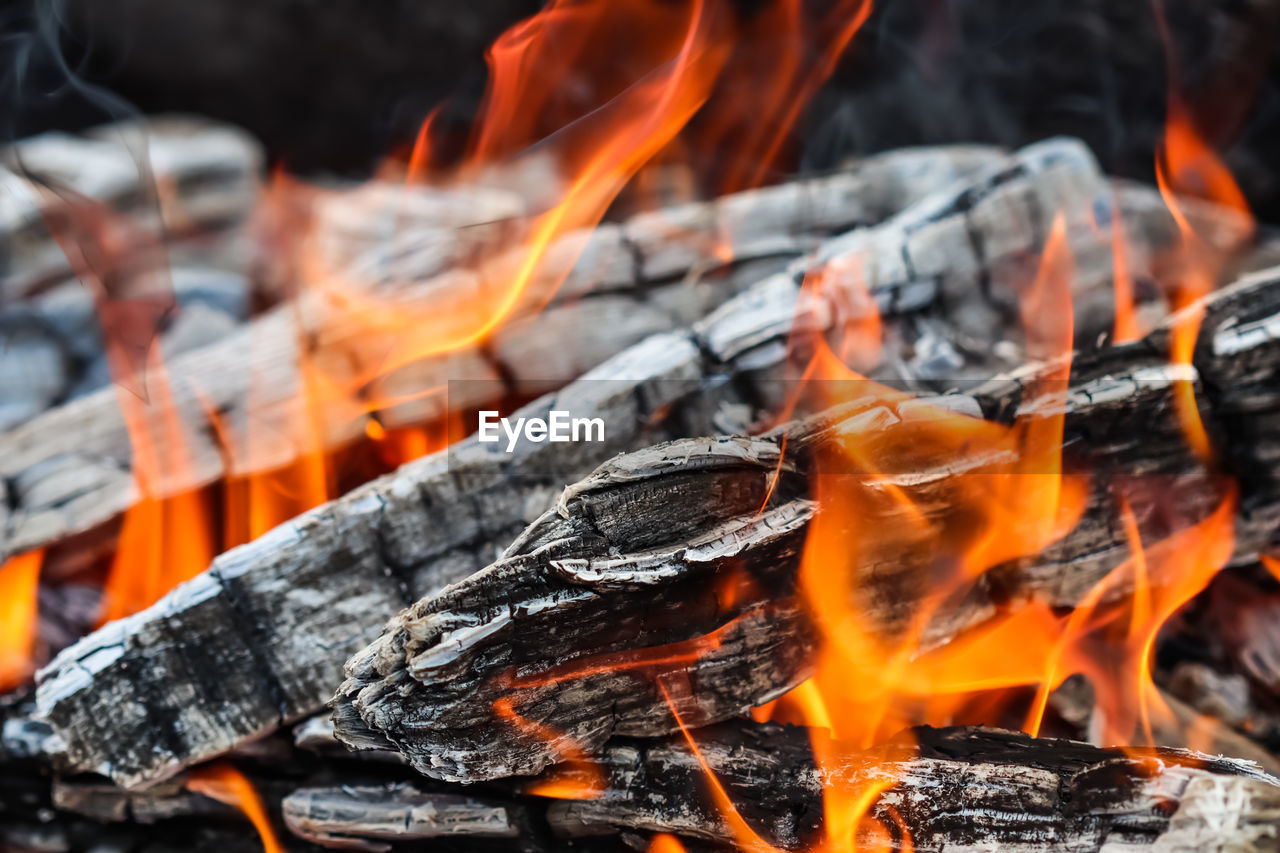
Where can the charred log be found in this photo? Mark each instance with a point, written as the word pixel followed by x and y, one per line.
pixel 568 638
pixel 70 467
pixel 364 556
pixel 941 789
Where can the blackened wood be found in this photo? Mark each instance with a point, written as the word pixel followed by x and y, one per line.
pixel 260 637
pixel 950 788
pixel 372 817
pixel 432 523
pixel 957 788
pixel 566 639
pixel 70 467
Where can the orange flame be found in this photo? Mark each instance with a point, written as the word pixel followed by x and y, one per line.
pixel 19 585
pixel 665 843
pixel 1125 328
pixel 1272 565
pixel 1004 496
pixel 164 540
pixel 224 783
pixel 1110 636
pixel 781 60
pixel 652 64
pixel 1186 165
pixel 579 777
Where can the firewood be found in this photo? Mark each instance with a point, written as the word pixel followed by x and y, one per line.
pixel 70 467
pixel 623 582
pixel 950 788
pixel 942 789
pixel 207 178
pixel 276 617
pixel 349 556
pixel 105 803
pixel 372 817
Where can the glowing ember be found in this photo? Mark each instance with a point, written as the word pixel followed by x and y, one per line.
pixel 224 783
pixel 19 578
pixel 664 843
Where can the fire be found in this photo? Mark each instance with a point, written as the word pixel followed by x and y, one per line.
pixel 653 87
pixel 888 557
pixel 1186 165
pixel 19 579
pixel 1272 565
pixel 665 843
pixel 780 60
pixel 224 783
pixel 879 671
pixel 1125 328
pixel 668 83
pixel 164 540
pixel 579 777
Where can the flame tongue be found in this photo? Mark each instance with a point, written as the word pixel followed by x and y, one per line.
pixel 224 783
pixel 19 578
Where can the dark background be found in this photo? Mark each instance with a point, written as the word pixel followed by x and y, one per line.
pixel 331 86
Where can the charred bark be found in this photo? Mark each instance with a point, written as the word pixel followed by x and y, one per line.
pixel 364 556
pixel 70 467
pixel 679 564
pixel 942 789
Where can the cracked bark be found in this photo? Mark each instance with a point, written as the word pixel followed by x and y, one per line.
pixel 69 469
pixel 314 591
pixel 956 788
pixel 679 563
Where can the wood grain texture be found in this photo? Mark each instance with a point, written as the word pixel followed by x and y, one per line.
pixel 949 789
pixel 952 789
pixel 311 593
pixel 637 576
pixel 70 468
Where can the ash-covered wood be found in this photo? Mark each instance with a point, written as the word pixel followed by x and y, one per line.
pixel 679 563
pixel 937 789
pixel 352 557
pixel 950 788
pixel 70 467
pixel 371 817
pixel 174 176
pixel 260 637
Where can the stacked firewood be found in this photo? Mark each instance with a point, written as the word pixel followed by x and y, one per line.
pixel 473 577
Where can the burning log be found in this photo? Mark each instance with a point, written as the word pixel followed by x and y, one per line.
pixel 680 563
pixel 206 175
pixel 364 557
pixel 952 787
pixel 69 479
pixel 938 789
pixel 275 618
